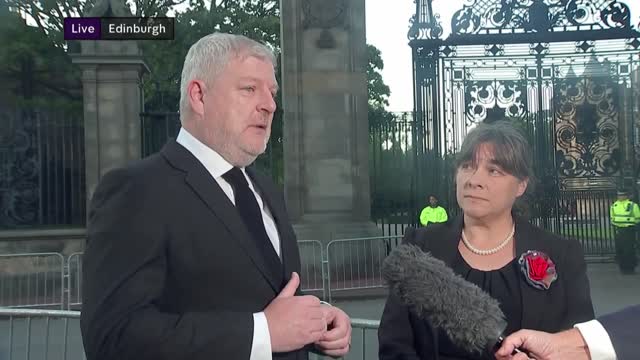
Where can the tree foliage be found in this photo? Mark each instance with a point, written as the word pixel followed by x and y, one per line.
pixel 256 19
pixel 35 73
pixel 377 91
pixel 49 14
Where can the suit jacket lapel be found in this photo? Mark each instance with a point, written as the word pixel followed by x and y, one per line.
pixel 531 298
pixel 217 201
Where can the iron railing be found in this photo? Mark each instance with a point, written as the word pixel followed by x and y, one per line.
pixel 42 169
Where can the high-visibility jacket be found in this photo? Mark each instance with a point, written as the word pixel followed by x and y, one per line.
pixel 624 213
pixel 433 215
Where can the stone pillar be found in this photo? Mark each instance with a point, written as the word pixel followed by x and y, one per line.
pixel 111 80
pixel 326 147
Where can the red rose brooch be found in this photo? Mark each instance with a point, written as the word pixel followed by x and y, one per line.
pixel 538 269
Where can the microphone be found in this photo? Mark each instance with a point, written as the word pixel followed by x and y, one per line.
pixel 469 316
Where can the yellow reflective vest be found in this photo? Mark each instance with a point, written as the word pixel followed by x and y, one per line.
pixel 624 213
pixel 433 215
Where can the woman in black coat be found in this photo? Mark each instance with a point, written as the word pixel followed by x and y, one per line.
pixel 538 278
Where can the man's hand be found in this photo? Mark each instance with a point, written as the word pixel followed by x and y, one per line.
pixel 294 321
pixel 337 340
pixel 544 346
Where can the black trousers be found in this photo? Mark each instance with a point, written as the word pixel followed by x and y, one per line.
pixel 626 248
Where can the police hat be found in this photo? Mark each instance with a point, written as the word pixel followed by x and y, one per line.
pixel 622 192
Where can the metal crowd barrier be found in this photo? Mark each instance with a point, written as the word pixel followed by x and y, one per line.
pixel 55 335
pixel 364 339
pixel 74 281
pixel 357 263
pixel 32 280
pixel 40 334
pixel 312 271
pixel 46 280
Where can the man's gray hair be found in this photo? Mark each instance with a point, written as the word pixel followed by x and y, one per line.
pixel 211 54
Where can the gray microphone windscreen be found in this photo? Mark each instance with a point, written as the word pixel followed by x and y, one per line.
pixel 470 317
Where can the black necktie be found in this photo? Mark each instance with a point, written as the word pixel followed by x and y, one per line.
pixel 250 213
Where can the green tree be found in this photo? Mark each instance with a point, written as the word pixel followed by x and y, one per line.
pixel 377 91
pixel 35 74
pixel 391 151
pixel 256 19
pixel 49 14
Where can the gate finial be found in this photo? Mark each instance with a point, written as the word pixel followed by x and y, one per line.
pixel 424 23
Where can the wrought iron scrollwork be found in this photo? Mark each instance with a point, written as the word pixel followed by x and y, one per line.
pixel 585 46
pixel 616 15
pixel 447 51
pixel 418 30
pixel 494 100
pixel 586 127
pixel 19 171
pixel 580 12
pixel 465 21
pixel 484 16
pixel 539 18
pixel 561 68
pixel 539 48
pixel 495 49
pixel 424 24
pixel 632 44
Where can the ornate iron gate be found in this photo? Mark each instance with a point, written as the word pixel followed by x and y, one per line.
pixel 41 169
pixel 565 71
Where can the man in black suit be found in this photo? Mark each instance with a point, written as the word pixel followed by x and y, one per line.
pixel 190 254
pixel 610 337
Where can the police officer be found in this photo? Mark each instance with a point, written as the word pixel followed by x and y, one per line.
pixel 433 213
pixel 625 215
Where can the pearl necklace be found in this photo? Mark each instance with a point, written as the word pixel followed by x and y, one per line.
pixel 489 251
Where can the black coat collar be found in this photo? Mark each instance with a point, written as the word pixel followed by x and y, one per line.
pixel 527 237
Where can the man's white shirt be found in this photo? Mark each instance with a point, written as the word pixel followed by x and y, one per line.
pixel 217 166
pixel 597 339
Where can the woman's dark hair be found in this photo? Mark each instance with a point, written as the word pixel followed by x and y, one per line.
pixel 511 151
